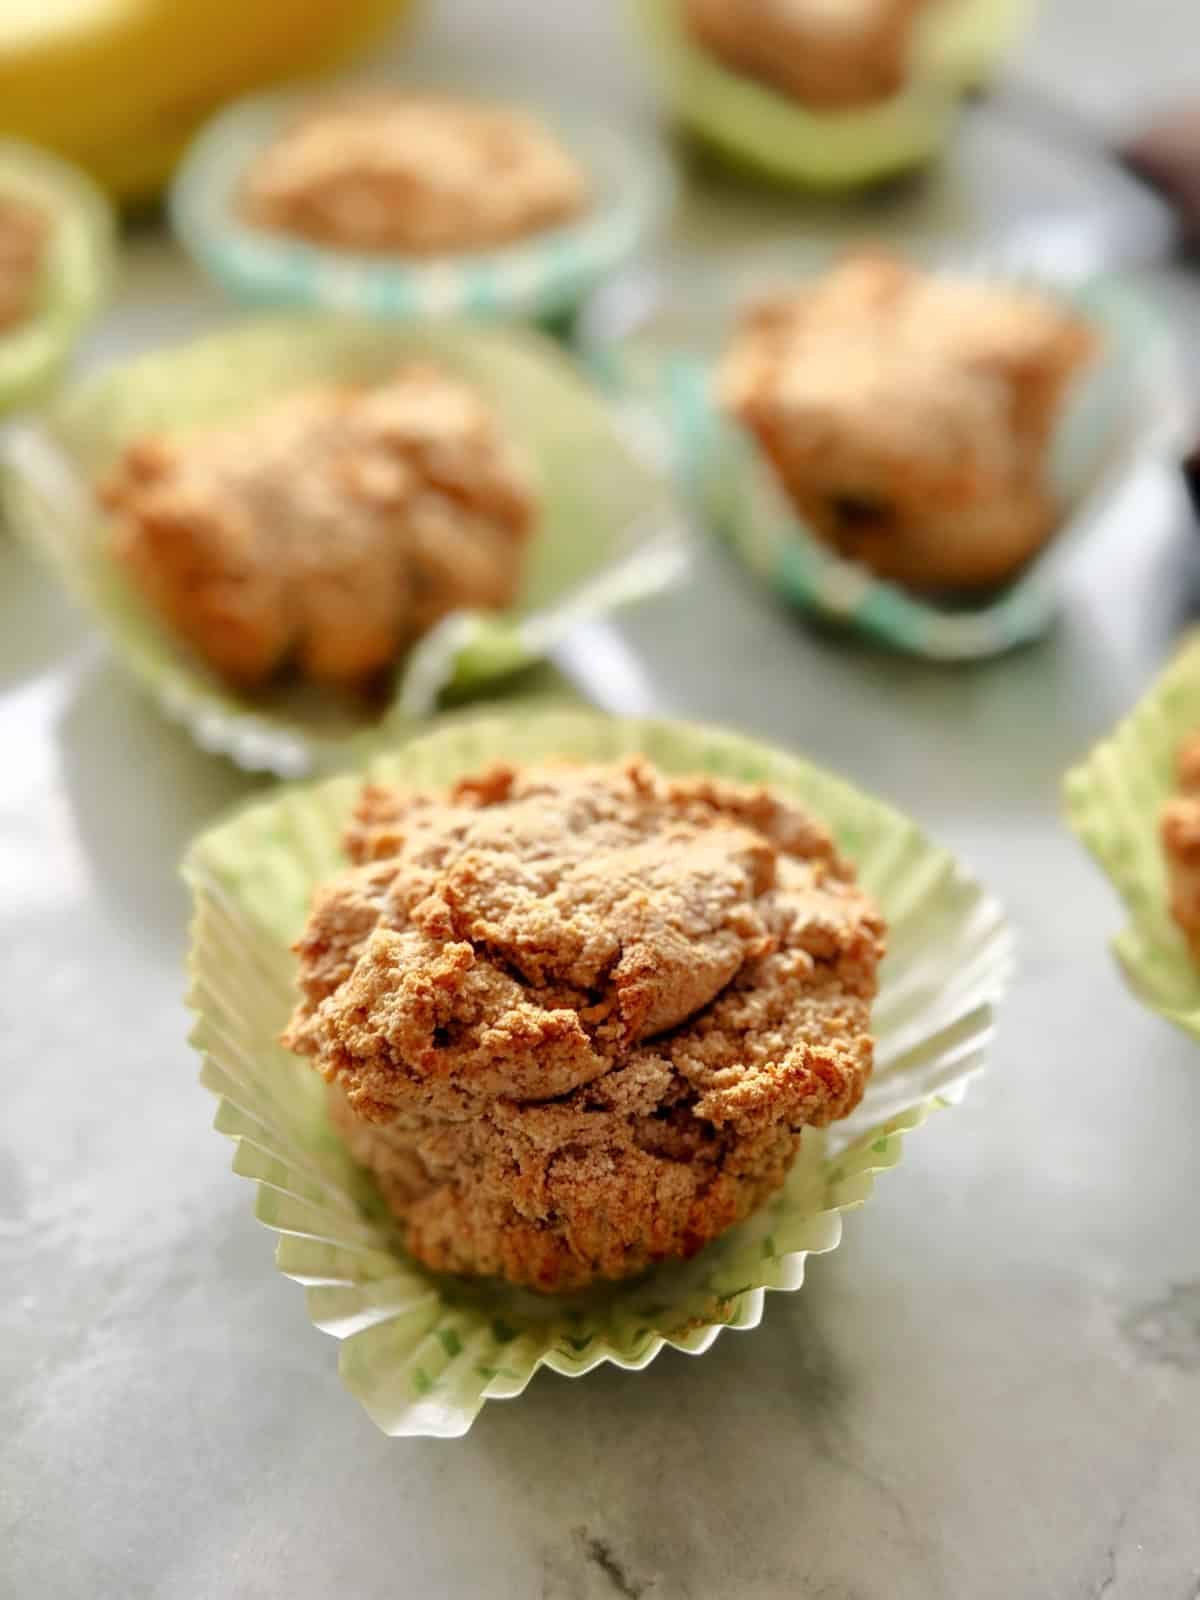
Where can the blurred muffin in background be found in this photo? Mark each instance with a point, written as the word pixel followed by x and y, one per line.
pixel 827 54
pixel 909 415
pixel 1180 833
pixel 411 174
pixel 331 531
pixel 25 232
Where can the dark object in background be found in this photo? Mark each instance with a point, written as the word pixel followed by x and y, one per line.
pixel 1191 477
pixel 1166 154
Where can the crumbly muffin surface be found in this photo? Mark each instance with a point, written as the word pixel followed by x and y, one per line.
pixel 413 174
pixel 575 1018
pixel 909 415
pixel 330 531
pixel 830 55
pixel 1180 833
pixel 24 239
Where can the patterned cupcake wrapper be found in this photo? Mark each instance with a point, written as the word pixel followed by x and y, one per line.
pixel 78 273
pixel 956 45
pixel 1114 801
pixel 1127 410
pixel 536 279
pixel 608 532
pixel 424 1352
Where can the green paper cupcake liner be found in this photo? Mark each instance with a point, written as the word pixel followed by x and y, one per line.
pixel 79 268
pixel 423 1352
pixel 608 532
pixel 1128 408
pixel 964 41
pixel 956 45
pixel 1114 801
pixel 539 278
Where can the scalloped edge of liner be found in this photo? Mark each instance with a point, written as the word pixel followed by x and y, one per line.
pixel 1085 789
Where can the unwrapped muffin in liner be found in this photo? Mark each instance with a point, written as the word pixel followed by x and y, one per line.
pixel 955 43
pixel 423 1352
pixel 79 266
pixel 540 277
pixel 607 528
pixel 1125 409
pixel 1114 802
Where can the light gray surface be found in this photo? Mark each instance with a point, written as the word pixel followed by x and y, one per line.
pixel 991 1390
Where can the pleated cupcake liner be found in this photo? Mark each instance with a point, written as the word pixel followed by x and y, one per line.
pixel 1126 410
pixel 1114 801
pixel 608 533
pixel 424 1352
pixel 957 43
pixel 78 274
pixel 540 278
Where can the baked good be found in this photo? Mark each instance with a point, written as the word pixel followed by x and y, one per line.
pixel 575 1018
pixel 830 55
pixel 908 415
pixel 1180 831
pixel 330 531
pixel 412 174
pixel 24 240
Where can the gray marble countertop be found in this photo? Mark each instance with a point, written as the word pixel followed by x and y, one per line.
pixel 990 1391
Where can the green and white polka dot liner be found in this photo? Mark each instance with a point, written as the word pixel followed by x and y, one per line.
pixel 1127 409
pixel 541 278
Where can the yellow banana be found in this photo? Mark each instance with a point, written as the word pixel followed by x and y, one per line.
pixel 120 86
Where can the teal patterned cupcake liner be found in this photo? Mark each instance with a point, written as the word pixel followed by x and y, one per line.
pixel 608 532
pixel 957 43
pixel 1128 408
pixel 424 1352
pixel 1114 803
pixel 79 268
pixel 536 279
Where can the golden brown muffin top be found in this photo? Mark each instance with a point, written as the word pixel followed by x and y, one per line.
pixel 920 364
pixel 532 932
pixel 334 527
pixel 414 174
pixel 25 232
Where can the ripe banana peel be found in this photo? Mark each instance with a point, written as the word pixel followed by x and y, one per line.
pixel 120 86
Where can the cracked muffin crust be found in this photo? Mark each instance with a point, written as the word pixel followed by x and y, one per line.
pixel 24 240
pixel 330 531
pixel 830 55
pixel 575 1018
pixel 1180 834
pixel 909 416
pixel 413 174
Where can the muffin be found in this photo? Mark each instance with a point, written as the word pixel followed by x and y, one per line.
pixel 414 175
pixel 1180 831
pixel 829 55
pixel 328 533
pixel 909 416
pixel 24 242
pixel 576 1018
